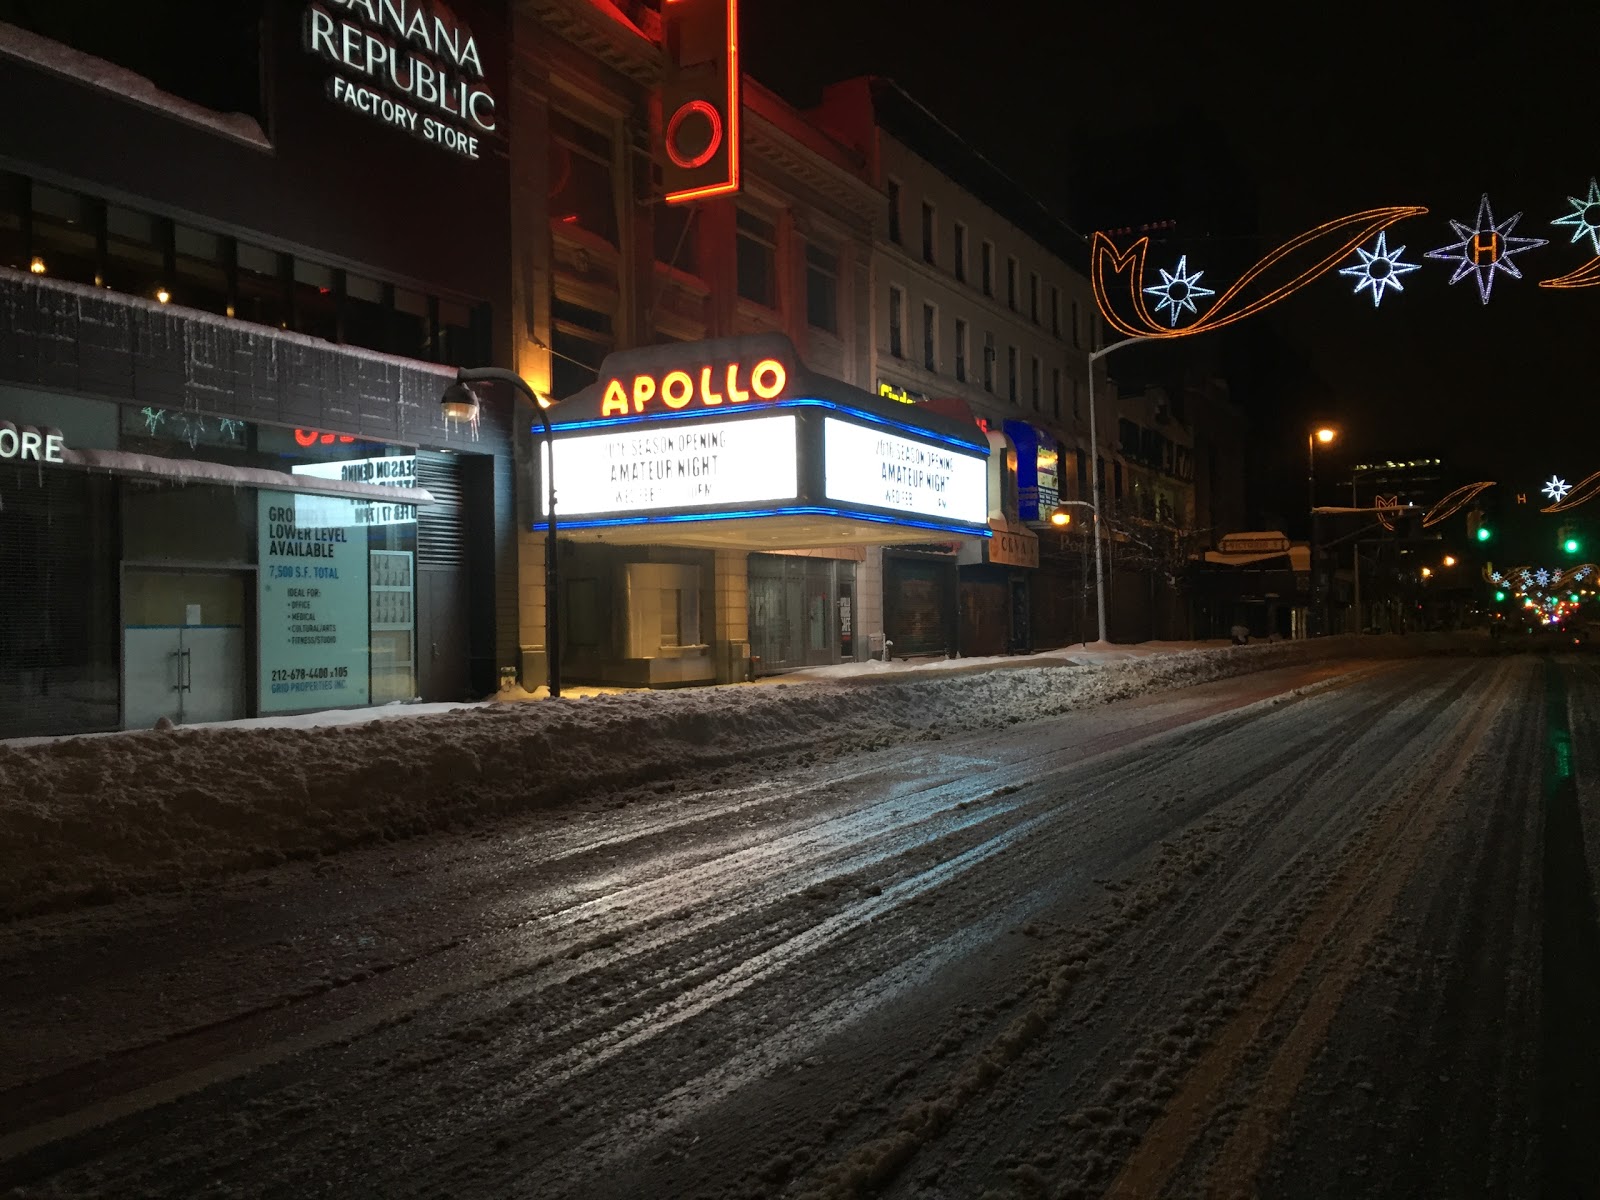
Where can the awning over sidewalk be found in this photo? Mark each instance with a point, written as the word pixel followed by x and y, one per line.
pixel 190 470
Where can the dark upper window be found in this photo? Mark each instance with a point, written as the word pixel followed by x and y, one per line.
pixel 1033 297
pixel 676 243
pixel 758 259
pixel 582 337
pixel 1011 284
pixel 930 338
pixel 1011 374
pixel 961 350
pixel 988 269
pixel 822 288
pixel 581 194
pixel 927 232
pixel 158 41
pixel 894 212
pixel 897 303
pixel 1055 311
pixel 959 265
pixel 988 362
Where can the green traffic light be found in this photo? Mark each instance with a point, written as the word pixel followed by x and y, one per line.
pixel 1570 545
pixel 1483 533
pixel 1499 595
pixel 1573 597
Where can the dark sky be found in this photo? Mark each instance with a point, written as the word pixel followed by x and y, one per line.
pixel 1314 111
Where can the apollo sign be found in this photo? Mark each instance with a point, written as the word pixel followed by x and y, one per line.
pixel 705 386
pixel 415 67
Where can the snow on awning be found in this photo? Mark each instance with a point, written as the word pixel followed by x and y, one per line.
pixel 1299 558
pixel 189 470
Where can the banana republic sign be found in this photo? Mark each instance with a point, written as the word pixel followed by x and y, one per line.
pixel 405 63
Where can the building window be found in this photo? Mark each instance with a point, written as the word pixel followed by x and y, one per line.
pixel 1011 374
pixel 927 232
pixel 1011 284
pixel 961 350
pixel 960 263
pixel 1033 296
pixel 581 338
pixel 1055 392
pixel 758 259
pixel 894 212
pixel 1077 412
pixel 264 292
pixel 316 310
pixel 1034 372
pixel 897 305
pixel 988 269
pixel 988 362
pixel 1075 337
pixel 930 338
pixel 822 289
pixel 1116 478
pixel 200 279
pixel 1083 474
pixel 65 238
pixel 674 232
pixel 581 194
pixel 1055 312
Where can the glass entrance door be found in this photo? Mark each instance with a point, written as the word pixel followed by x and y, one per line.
pixel 183 646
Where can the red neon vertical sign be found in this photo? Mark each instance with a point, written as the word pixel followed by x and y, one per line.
pixel 700 140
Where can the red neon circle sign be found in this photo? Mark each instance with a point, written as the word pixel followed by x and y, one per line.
pixel 709 112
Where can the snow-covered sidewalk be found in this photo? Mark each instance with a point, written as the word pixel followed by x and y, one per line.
pixel 86 819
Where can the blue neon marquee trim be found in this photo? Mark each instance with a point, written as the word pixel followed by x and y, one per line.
pixel 801 510
pixel 981 451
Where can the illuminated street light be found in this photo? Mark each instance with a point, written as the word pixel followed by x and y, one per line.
pixel 1325 436
pixel 1427 572
pixel 1449 560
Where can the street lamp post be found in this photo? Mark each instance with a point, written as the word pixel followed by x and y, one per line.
pixel 461 394
pixel 1323 435
pixel 1094 477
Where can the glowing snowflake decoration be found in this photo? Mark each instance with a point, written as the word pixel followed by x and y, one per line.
pixel 1179 290
pixel 1380 268
pixel 1496 577
pixel 1541 577
pixel 1557 488
pixel 153 418
pixel 1585 216
pixel 1485 248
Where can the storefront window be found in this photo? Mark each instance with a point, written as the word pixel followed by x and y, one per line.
pixel 263 287
pixel 365 318
pixel 201 277
pixel 316 308
pixel 410 324
pixel 581 194
pixel 64 235
pixel 14 251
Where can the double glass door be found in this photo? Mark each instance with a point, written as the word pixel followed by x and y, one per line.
pixel 184 646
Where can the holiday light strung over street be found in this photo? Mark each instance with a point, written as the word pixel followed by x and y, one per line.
pixel 1584 491
pixel 1380 268
pixel 1485 249
pixel 1454 502
pixel 1179 290
pixel 1585 217
pixel 1557 488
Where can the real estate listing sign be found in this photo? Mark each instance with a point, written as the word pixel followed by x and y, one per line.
pixel 313 604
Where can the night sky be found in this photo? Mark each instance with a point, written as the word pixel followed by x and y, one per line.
pixel 1249 125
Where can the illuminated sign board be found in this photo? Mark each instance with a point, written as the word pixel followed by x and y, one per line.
pixel 1038 471
pixel 26 444
pixel 899 395
pixel 415 67
pixel 399 471
pixel 862 465
pixel 726 464
pixel 705 387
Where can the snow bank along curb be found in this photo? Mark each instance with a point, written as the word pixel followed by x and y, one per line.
pixel 88 819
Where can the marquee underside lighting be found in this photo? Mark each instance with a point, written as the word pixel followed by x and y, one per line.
pixel 1454 503
pixel 1339 237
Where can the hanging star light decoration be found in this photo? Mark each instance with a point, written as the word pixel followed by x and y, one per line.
pixel 1380 268
pixel 1557 488
pixel 1585 216
pixel 1179 290
pixel 1485 249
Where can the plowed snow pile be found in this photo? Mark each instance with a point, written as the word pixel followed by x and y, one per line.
pixel 87 819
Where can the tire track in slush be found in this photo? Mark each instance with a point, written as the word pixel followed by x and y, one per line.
pixel 1348 918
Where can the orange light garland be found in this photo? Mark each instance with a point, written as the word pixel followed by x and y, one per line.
pixel 1454 502
pixel 1587 275
pixel 1104 257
